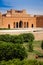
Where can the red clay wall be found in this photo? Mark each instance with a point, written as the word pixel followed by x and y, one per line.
pixel 11 20
pixel 39 21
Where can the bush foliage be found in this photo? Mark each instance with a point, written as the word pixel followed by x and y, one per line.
pixel 17 38
pixel 30 46
pixel 23 62
pixel 11 38
pixel 10 51
pixel 27 37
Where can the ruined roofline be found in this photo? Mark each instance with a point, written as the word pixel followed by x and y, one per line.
pixel 13 11
pixel 38 15
pixel 16 11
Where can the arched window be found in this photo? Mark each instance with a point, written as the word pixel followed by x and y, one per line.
pixel 9 26
pixel 32 26
pixel 20 24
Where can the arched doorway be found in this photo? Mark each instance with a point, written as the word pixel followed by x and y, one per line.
pixel 8 26
pixel 16 24
pixel 32 26
pixel 20 24
pixel 27 24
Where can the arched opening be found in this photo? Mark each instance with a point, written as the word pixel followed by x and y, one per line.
pixel 27 24
pixel 9 26
pixel 20 24
pixel 32 26
pixel 16 24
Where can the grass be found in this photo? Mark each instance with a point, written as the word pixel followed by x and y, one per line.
pixel 36 50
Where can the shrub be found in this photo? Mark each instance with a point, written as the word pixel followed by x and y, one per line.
pixel 30 46
pixel 10 51
pixel 20 52
pixel 6 51
pixel 42 45
pixel 27 37
pixel 16 39
pixel 29 62
pixel 23 62
pixel 6 38
pixel 14 62
pixel 11 38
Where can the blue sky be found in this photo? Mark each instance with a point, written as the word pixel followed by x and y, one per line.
pixel 31 6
